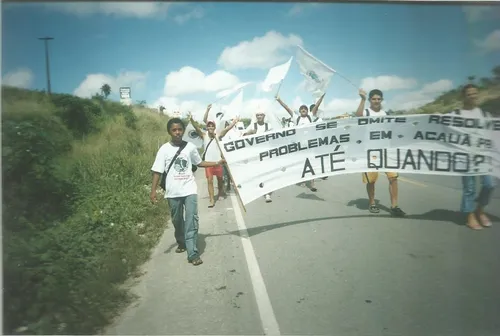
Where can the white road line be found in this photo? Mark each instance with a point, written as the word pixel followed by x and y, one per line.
pixel 267 317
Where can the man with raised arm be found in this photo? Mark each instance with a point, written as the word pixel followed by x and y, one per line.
pixel 303 118
pixel 375 110
pixel 176 158
pixel 212 153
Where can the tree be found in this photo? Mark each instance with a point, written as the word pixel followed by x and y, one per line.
pixel 162 108
pixel 105 90
pixel 496 73
pixel 471 79
pixel 141 103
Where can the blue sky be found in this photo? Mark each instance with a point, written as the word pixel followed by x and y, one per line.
pixel 412 52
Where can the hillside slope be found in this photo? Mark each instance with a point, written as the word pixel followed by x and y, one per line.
pixel 489 96
pixel 77 221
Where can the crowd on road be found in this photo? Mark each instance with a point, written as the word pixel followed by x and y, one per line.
pixel 181 189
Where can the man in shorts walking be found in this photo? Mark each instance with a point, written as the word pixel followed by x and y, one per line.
pixel 370 178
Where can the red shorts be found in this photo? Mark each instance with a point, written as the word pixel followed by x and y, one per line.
pixel 214 171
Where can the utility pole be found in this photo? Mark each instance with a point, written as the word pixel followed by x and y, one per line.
pixel 47 66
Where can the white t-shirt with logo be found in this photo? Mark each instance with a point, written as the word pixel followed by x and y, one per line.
pixel 212 152
pixel 372 113
pixel 180 181
pixel 260 128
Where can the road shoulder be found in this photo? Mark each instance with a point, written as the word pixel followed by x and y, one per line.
pixel 176 297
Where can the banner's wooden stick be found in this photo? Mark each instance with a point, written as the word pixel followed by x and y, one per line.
pixel 231 176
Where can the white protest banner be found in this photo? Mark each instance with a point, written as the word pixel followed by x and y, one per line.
pixel 417 144
pixel 317 74
pixel 276 75
pixel 190 135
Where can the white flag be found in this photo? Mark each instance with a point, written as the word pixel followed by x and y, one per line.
pixel 234 108
pixel 276 75
pixel 224 93
pixel 190 135
pixel 317 74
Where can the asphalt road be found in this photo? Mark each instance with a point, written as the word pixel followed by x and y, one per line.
pixel 321 264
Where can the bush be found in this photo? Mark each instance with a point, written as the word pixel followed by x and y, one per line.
pixel 78 221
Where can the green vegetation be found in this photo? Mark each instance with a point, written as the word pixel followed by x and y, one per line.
pixel 489 96
pixel 77 221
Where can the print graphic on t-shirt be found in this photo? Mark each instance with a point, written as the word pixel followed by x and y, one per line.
pixel 180 165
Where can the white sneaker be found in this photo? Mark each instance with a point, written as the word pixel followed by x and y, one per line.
pixel 268 199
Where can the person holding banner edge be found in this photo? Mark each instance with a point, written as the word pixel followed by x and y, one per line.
pixel 176 159
pixel 470 109
pixel 212 153
pixel 370 178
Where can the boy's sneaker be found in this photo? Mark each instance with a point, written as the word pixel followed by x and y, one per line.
pixel 397 212
pixel 268 199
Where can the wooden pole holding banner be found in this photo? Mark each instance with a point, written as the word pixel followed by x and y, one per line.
pixel 231 177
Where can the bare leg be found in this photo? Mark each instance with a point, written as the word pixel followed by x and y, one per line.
pixel 370 189
pixel 393 191
pixel 220 187
pixel 210 183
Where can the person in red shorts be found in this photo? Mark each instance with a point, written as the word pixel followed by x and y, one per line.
pixel 211 150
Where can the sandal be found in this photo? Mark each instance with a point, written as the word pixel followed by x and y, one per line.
pixel 374 209
pixel 196 261
pixel 314 189
pixel 180 249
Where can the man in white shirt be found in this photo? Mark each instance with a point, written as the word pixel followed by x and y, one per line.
pixel 476 218
pixel 259 127
pixel 375 110
pixel 304 118
pixel 212 153
pixel 176 159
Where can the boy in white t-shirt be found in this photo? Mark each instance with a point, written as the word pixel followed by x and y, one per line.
pixel 476 218
pixel 303 118
pixel 375 110
pixel 181 190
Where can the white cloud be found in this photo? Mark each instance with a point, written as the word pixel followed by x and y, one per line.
pixel 172 104
pixel 118 9
pixel 414 99
pixel 260 53
pixel 481 13
pixel 93 82
pixel 299 8
pixel 338 106
pixel 387 83
pixel 195 13
pixel 21 78
pixel 490 42
pixel 191 80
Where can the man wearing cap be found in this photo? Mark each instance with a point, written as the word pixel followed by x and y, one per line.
pixel 375 110
pixel 212 152
pixel 259 127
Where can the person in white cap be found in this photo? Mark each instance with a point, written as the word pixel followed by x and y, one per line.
pixel 258 127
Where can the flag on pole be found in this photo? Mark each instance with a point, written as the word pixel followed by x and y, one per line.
pixel 276 75
pixel 316 73
pixel 225 93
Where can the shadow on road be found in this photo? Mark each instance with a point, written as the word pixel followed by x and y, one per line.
pixel 312 197
pixel 441 215
pixel 202 244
